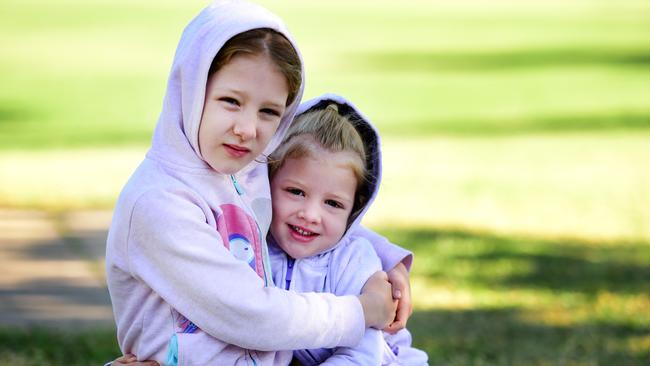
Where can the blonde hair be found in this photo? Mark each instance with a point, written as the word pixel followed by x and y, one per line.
pixel 329 130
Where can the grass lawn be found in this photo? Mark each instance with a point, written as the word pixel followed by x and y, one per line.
pixel 43 347
pixel 481 299
pixel 516 142
pixel 484 299
pixel 88 73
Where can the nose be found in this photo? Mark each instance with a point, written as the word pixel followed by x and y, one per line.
pixel 310 212
pixel 245 126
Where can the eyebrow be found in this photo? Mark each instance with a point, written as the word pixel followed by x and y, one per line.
pixel 341 198
pixel 301 185
pixel 267 103
pixel 275 105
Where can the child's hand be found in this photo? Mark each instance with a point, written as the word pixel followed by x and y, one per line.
pixel 377 301
pixel 399 279
pixel 131 360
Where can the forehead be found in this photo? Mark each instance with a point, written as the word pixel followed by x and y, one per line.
pixel 251 73
pixel 326 171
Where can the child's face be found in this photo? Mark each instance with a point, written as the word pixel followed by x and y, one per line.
pixel 312 200
pixel 244 102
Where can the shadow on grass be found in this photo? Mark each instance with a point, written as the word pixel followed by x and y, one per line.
pixel 430 61
pixel 11 114
pixel 37 347
pixel 613 121
pixel 502 337
pixel 561 265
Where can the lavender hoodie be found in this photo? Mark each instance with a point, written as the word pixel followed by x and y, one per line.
pixel 344 269
pixel 186 253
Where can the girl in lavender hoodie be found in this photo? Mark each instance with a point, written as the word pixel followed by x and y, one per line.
pixel 324 176
pixel 186 259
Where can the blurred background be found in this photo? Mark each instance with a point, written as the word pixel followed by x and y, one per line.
pixel 517 164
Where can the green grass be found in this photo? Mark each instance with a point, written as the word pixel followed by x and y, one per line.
pixel 48 347
pixel 514 300
pixel 93 73
pixel 480 299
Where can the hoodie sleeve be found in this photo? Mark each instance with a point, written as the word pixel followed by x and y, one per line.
pixel 389 253
pixel 175 252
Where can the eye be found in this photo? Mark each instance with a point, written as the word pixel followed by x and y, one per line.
pixel 295 191
pixel 271 112
pixel 229 100
pixel 334 203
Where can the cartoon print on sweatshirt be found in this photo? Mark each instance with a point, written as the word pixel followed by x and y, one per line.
pixel 239 233
pixel 185 325
pixel 241 236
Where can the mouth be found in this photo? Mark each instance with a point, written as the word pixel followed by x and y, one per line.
pixel 236 150
pixel 301 234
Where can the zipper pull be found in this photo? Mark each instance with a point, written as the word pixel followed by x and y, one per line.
pixel 238 188
pixel 290 262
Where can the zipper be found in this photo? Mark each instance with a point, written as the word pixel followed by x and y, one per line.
pixel 240 193
pixel 290 262
pixel 251 356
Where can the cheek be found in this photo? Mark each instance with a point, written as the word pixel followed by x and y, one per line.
pixel 338 224
pixel 267 131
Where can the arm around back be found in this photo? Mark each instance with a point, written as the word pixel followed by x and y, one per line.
pixel 178 256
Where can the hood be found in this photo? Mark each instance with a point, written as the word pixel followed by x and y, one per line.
pixel 371 141
pixel 175 139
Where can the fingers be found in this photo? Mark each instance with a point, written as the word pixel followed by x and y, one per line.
pixel 401 318
pixel 380 275
pixel 394 327
pixel 127 358
pixel 131 360
pixel 123 360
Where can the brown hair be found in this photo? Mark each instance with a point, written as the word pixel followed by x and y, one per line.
pixel 264 41
pixel 329 130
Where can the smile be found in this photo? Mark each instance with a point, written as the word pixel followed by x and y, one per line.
pixel 301 231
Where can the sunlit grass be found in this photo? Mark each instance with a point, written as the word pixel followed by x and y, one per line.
pixel 584 186
pixel 590 186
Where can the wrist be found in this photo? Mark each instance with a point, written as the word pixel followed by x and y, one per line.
pixel 365 305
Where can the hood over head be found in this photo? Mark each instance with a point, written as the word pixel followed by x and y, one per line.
pixel 371 142
pixel 175 139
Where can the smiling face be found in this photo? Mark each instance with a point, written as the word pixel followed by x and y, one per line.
pixel 312 200
pixel 244 102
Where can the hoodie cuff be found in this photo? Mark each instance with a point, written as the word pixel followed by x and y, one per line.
pixel 392 255
pixel 389 253
pixel 355 320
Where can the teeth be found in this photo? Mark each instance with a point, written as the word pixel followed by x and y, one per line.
pixel 301 231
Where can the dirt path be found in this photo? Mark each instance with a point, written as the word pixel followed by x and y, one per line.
pixel 51 269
